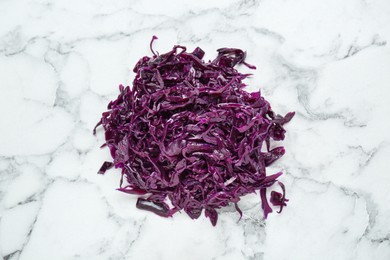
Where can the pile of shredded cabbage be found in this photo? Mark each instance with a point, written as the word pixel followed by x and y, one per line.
pixel 187 131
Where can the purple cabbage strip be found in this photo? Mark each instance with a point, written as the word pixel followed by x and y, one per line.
pixel 187 131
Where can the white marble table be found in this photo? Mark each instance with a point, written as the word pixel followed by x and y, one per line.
pixel 61 62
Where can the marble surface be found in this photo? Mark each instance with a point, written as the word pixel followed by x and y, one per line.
pixel 61 62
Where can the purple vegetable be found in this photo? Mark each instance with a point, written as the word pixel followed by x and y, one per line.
pixel 279 199
pixel 106 166
pixel 187 131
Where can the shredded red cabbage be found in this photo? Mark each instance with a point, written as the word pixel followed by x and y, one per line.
pixel 187 131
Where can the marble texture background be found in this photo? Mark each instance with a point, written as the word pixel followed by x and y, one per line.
pixel 61 62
